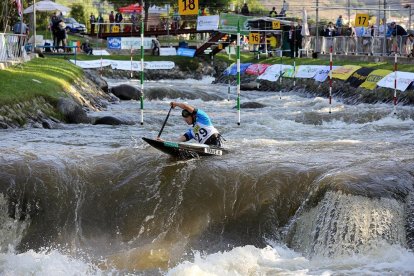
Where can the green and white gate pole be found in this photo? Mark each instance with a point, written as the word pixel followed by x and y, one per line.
pixel 238 71
pixel 142 71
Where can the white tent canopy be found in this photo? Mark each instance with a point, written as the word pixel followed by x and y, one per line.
pixel 47 6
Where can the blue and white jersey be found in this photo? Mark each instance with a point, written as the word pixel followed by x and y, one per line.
pixel 202 128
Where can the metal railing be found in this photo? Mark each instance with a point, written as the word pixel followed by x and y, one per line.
pixel 12 47
pixel 372 45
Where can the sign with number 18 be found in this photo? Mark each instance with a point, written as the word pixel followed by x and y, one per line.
pixel 188 7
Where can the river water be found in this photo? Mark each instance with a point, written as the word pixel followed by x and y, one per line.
pixel 302 191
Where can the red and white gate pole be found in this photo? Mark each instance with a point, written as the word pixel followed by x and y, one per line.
pixel 330 79
pixel 395 83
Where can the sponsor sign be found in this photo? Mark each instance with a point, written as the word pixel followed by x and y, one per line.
pixel 273 72
pixel 359 76
pixel 322 74
pixel 228 23
pixel 308 71
pixel 114 43
pixel 118 43
pixel 125 64
pixel 256 69
pixel 135 43
pixel 168 51
pixel 100 53
pixel 207 23
pixel 186 52
pixel 375 76
pixel 89 64
pixel 404 79
pixel 232 69
pixel 344 72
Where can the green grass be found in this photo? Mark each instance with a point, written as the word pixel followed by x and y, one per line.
pixel 21 82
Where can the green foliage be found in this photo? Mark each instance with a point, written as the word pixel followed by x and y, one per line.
pixel 78 13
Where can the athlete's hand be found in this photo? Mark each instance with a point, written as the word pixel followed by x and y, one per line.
pixel 173 104
pixel 159 139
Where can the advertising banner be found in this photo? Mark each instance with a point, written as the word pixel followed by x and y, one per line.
pixel 359 76
pixel 186 52
pixel 207 23
pixel 273 72
pixel 125 64
pixel 256 69
pixel 404 79
pixel 308 71
pixel 322 74
pixel 168 51
pixel 375 76
pixel 135 43
pixel 344 72
pixel 89 64
pixel 228 23
pixel 114 43
pixel 232 69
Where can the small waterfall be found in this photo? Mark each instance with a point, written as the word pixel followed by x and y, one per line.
pixel 343 224
pixel 11 229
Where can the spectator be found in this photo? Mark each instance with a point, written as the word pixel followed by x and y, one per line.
pixel 245 10
pixel 176 19
pixel 271 43
pixel 339 24
pixel 398 34
pixel 273 12
pixel 54 27
pixel 204 12
pixel 92 21
pixel 295 39
pixel 86 47
pixel 285 7
pixel 20 29
pixel 410 45
pixel 155 47
pixel 61 35
pixel 100 21
pixel 118 19
pixel 330 30
pixel 382 29
pixel 111 20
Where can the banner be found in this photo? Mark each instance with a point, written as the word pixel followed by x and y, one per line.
pixel 135 43
pixel 272 72
pixel 308 71
pixel 322 74
pixel 359 76
pixel 207 23
pixel 186 52
pixel 256 69
pixel 90 64
pixel 168 51
pixel 404 79
pixel 289 72
pixel 125 64
pixel 374 77
pixel 114 43
pixel 344 72
pixel 229 21
pixel 232 69
pixel 100 53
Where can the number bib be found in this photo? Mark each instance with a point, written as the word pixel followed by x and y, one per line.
pixel 202 132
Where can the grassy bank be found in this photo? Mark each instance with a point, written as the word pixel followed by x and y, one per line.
pixel 45 77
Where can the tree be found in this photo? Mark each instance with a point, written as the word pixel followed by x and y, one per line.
pixel 78 13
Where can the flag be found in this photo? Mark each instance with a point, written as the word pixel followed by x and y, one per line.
pixel 19 7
